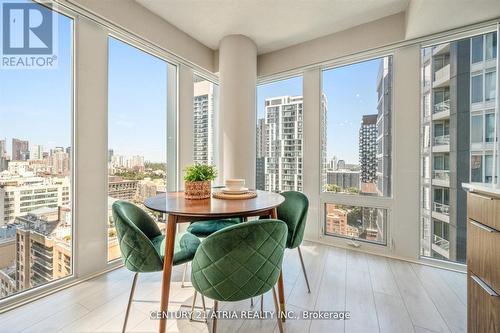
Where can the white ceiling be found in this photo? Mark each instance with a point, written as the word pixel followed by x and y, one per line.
pixel 271 24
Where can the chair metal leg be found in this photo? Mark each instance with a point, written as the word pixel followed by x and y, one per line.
pixel 134 282
pixel 304 269
pixel 184 274
pixel 192 306
pixel 277 311
pixel 251 302
pixel 214 320
pixel 203 302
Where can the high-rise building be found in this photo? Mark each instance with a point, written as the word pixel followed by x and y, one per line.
pixel 283 151
pixel 458 135
pixel 332 164
pixel 344 179
pixel 59 162
pixel 384 118
pixel 336 222
pixel 110 155
pixel 20 150
pixel 3 155
pixel 205 99
pixel 36 152
pixel 21 195
pixel 123 189
pixel 341 165
pixel 261 137
pixel 260 175
pixel 368 153
pixel 3 148
pixel 43 247
pixel 283 164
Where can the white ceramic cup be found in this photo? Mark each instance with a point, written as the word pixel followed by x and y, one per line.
pixel 235 184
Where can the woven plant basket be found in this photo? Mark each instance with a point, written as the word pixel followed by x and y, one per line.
pixel 197 190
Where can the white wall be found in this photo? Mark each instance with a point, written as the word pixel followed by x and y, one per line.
pixel 91 147
pixel 425 17
pixel 364 37
pixel 238 79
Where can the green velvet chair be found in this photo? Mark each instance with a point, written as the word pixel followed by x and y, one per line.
pixel 143 245
pixel 293 211
pixel 240 262
pixel 204 229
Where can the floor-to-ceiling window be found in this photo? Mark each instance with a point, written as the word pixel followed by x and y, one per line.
pixel 205 113
pixel 357 149
pixel 137 129
pixel 36 157
pixel 280 107
pixel 462 94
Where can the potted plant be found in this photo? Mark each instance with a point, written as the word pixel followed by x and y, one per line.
pixel 197 181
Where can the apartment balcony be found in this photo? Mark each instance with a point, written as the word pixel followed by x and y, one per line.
pixel 441 246
pixel 441 49
pixel 441 110
pixel 442 77
pixel 441 211
pixel 441 178
pixel 442 140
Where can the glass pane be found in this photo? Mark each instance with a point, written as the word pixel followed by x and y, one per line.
pixel 488 168
pixel 490 81
pixel 491 46
pixel 137 129
pixel 476 169
pixel 460 154
pixel 356 222
pixel 205 109
pixel 477 49
pixel 477 89
pixel 490 127
pixel 358 128
pixel 476 129
pixel 279 135
pixel 427 104
pixel 36 209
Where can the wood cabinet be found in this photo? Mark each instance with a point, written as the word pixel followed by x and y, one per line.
pixel 483 262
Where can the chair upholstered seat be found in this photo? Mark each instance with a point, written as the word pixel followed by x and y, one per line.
pixel 206 228
pixel 184 248
pixel 241 261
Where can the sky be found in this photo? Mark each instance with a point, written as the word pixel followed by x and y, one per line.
pixel 351 92
pixel 36 105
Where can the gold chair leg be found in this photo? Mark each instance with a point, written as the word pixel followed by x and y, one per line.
pixel 277 311
pixel 184 274
pixel 214 320
pixel 203 302
pixel 132 290
pixel 192 306
pixel 304 269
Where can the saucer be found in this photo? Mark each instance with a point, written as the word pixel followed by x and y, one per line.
pixel 242 190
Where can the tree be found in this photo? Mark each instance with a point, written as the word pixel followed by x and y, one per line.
pixel 333 188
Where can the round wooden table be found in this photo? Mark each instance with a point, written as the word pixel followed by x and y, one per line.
pixel 181 210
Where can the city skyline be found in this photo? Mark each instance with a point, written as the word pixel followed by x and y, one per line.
pixel 352 87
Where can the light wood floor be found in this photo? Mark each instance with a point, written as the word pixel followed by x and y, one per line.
pixel 382 295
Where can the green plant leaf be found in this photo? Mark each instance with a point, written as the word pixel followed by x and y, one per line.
pixel 200 172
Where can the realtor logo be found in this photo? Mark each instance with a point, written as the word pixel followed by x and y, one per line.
pixel 28 36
